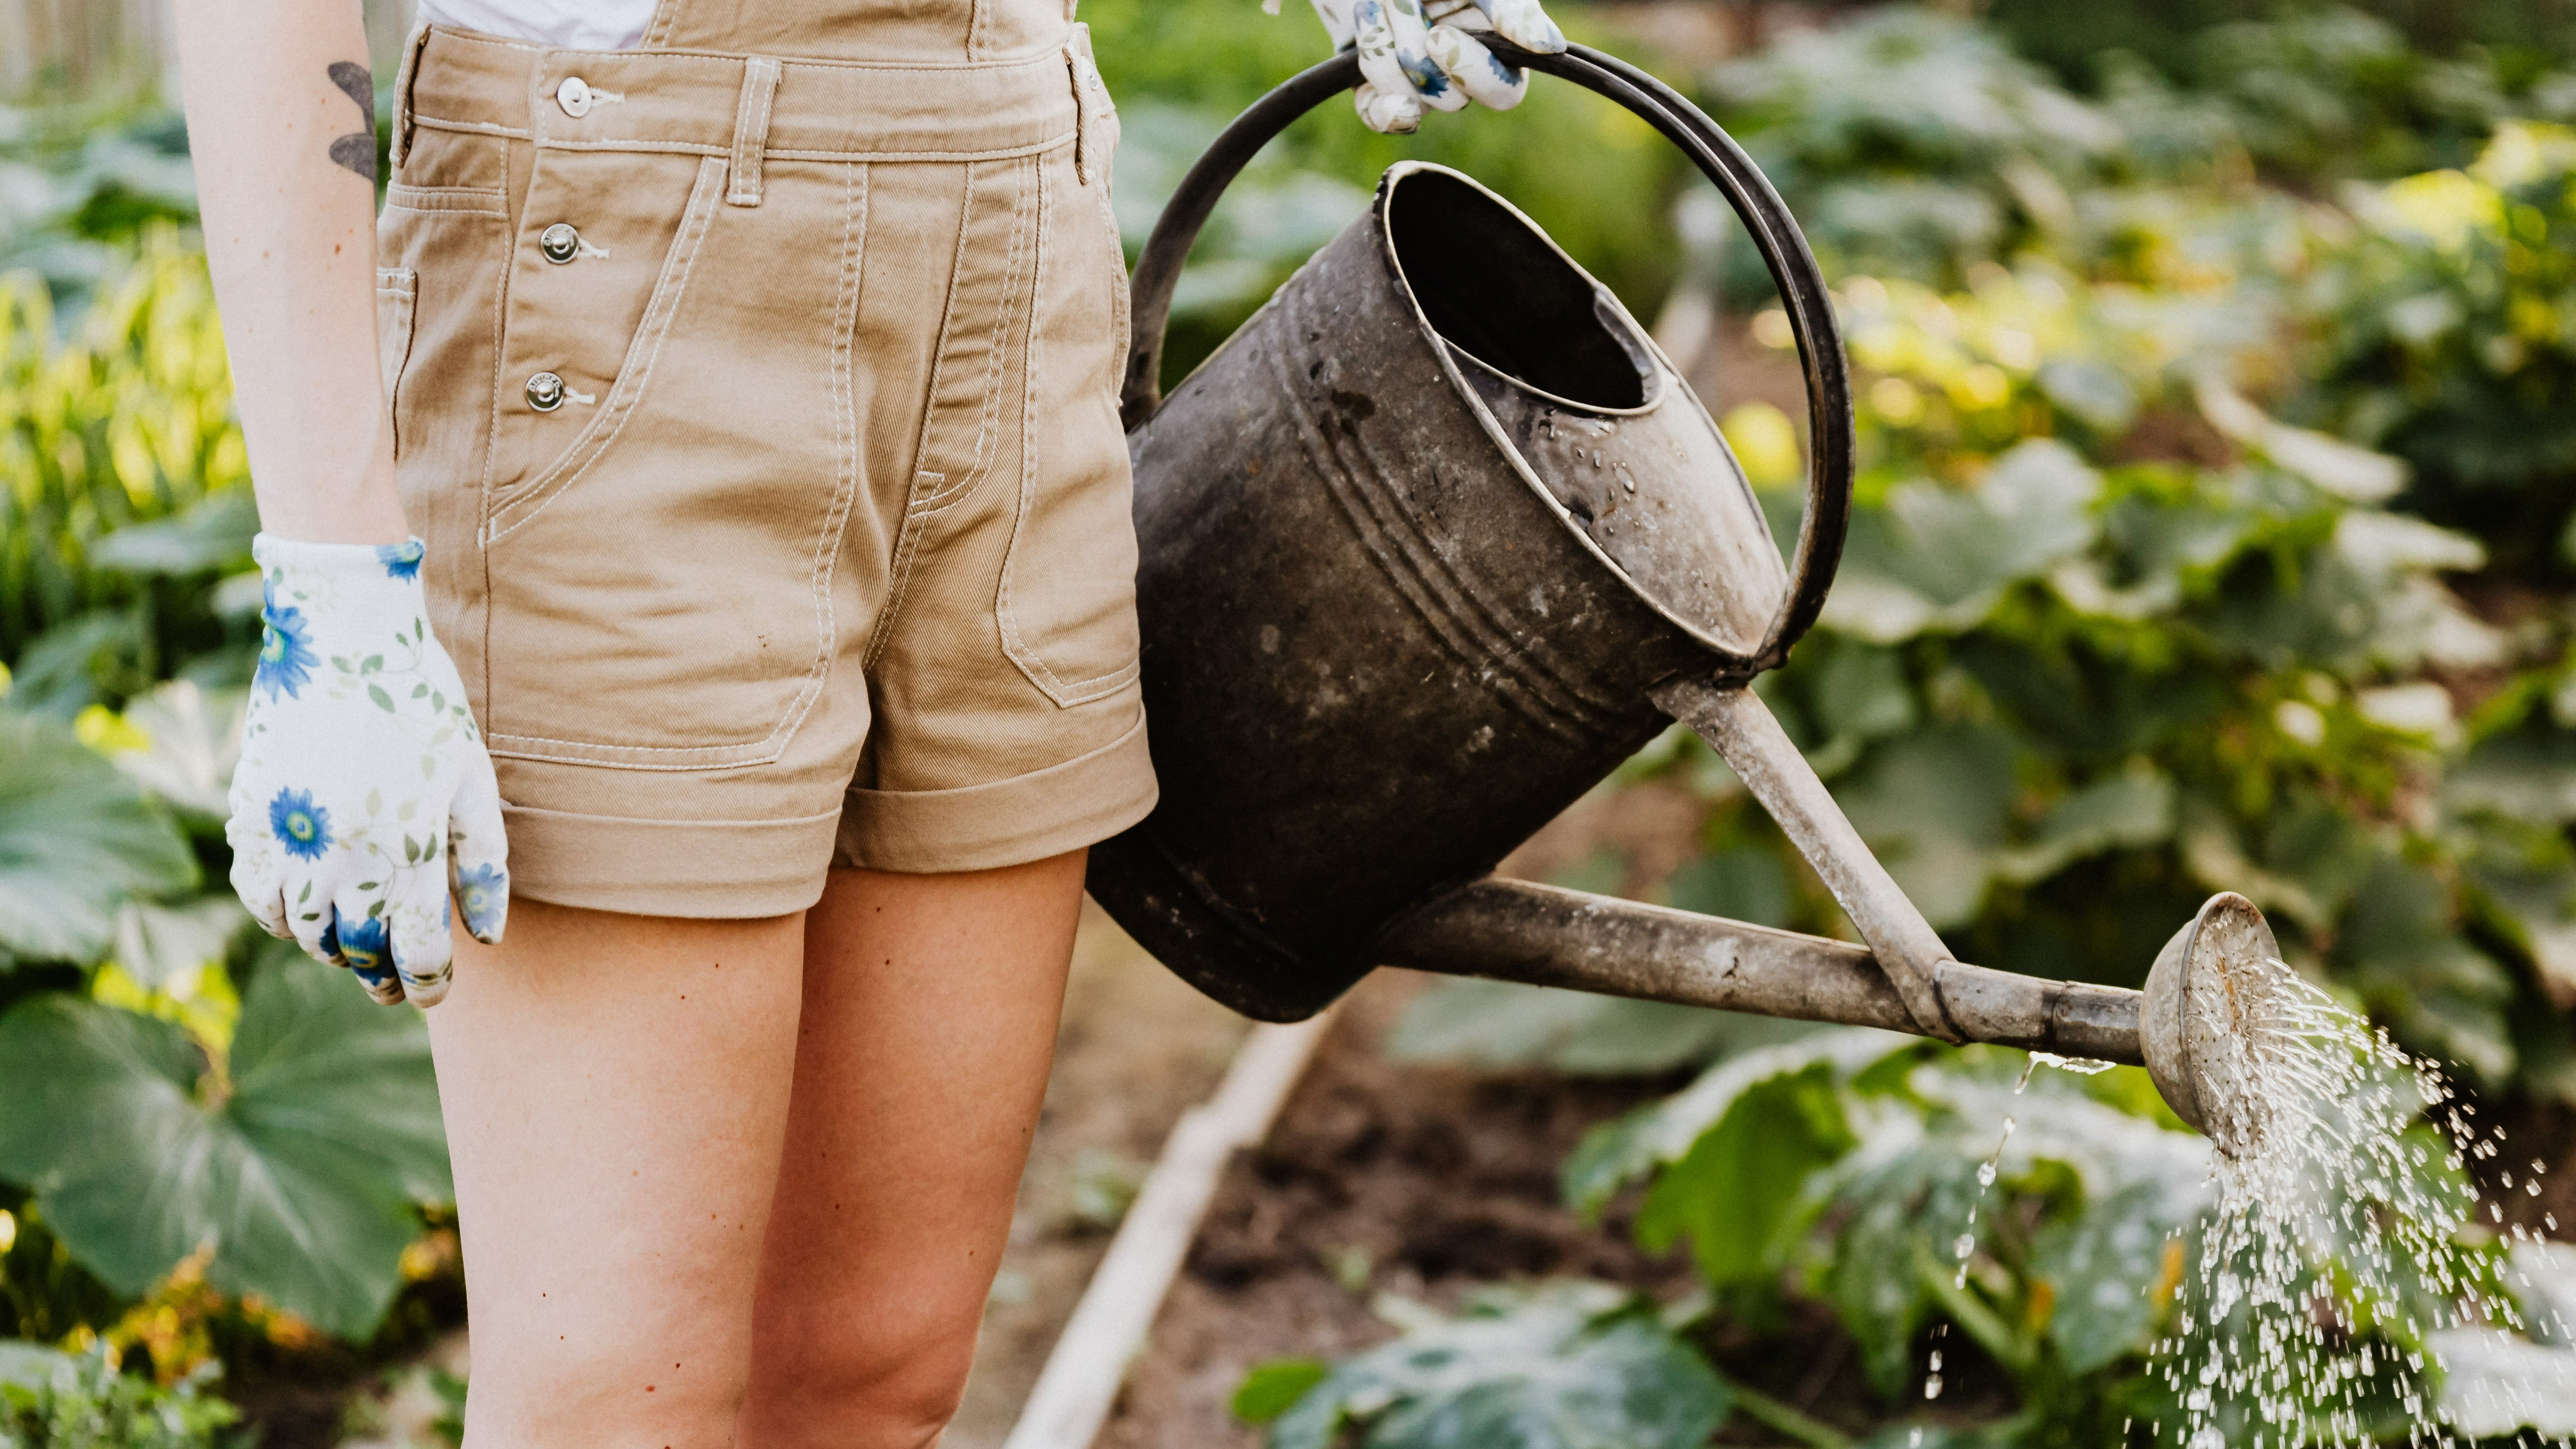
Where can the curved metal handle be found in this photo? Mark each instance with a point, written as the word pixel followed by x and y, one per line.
pixel 1803 293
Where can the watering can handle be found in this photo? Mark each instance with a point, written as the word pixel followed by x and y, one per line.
pixel 1803 293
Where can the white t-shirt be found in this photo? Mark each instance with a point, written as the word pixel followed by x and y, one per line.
pixel 570 24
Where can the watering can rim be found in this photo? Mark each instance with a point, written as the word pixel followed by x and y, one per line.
pixel 1664 386
pixel 1804 296
pixel 1652 376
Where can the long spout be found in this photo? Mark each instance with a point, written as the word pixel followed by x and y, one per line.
pixel 1509 930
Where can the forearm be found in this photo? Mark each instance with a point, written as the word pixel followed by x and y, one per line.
pixel 281 123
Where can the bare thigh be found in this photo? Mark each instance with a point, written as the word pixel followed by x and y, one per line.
pixel 922 1054
pixel 616 1092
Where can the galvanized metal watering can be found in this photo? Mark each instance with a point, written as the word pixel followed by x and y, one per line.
pixel 1430 546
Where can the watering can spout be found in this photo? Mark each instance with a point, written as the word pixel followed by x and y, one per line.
pixel 1509 930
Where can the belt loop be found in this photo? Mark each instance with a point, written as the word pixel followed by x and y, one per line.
pixel 751 128
pixel 1085 73
pixel 404 77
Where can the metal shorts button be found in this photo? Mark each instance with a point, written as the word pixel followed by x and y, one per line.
pixel 574 96
pixel 559 242
pixel 545 392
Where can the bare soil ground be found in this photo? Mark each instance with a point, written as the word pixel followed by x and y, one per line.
pixel 1379 1178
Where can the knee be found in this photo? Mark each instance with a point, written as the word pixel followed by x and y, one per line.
pixel 892 1385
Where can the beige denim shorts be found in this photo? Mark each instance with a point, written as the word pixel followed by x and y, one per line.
pixel 760 415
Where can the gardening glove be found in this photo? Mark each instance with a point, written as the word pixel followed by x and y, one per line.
pixel 1413 60
pixel 364 795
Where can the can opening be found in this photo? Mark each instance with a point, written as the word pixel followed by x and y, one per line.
pixel 1493 287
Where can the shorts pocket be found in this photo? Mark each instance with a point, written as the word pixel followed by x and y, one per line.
pixel 583 338
pixel 661 589
pixel 1067 602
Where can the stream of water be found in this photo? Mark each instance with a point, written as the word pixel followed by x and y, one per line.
pixel 2336 1251
pixel 2340 1251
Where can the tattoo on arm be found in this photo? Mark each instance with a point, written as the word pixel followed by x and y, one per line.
pixel 357 150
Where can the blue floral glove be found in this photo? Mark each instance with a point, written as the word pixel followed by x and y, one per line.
pixel 1413 59
pixel 364 795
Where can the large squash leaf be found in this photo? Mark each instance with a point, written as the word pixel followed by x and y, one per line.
pixel 76 839
pixel 1567 1366
pixel 300 1172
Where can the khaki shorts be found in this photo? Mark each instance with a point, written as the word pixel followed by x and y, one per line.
pixel 760 417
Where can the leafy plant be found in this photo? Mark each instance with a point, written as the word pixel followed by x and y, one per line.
pixel 294 1155
pixel 1559 1366
pixel 78 839
pixel 54 1400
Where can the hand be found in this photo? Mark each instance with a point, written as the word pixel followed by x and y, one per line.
pixel 364 795
pixel 1412 61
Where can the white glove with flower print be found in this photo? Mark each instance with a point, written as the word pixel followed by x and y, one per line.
pixel 1413 59
pixel 364 795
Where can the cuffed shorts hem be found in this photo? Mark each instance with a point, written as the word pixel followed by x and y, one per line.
pixel 637 867
pixel 1029 817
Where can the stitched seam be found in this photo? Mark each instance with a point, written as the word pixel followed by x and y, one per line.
pixel 492 450
pixel 657 327
pixel 715 760
pixel 908 535
pixel 768 102
pixel 744 186
pixel 781 153
pixel 1064 692
pixel 996 356
pixel 827 545
pixel 480 128
pixel 493 194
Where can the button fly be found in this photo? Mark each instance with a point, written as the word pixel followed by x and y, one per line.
pixel 545 392
pixel 574 96
pixel 559 242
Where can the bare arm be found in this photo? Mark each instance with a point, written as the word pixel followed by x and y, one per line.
pixel 281 122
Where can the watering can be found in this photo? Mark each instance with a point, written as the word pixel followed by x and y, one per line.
pixel 1434 542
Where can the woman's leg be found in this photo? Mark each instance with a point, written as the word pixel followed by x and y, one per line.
pixel 616 1092
pixel 929 1023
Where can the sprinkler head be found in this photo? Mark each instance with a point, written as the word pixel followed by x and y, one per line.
pixel 2211 987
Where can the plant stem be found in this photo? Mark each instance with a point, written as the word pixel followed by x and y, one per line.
pixel 1772 1414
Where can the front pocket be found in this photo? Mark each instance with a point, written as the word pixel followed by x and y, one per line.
pixel 661 588
pixel 593 324
pixel 397 296
pixel 1067 602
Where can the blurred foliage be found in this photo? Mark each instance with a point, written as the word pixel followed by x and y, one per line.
pixel 53 1400
pixel 2447 335
pixel 1597 178
pixel 1966 1219
pixel 80 177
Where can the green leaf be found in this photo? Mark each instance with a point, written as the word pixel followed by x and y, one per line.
pixel 1746 883
pixel 1736 1194
pixel 155 943
pixel 1933 805
pixel 196 737
pixel 2118 812
pixel 1937 558
pixel 383 700
pixel 1617 1153
pixel 2102 1267
pixel 76 840
pixel 2527 773
pixel 1273 1387
pixel 301 1178
pixel 214 533
pixel 1564 1366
